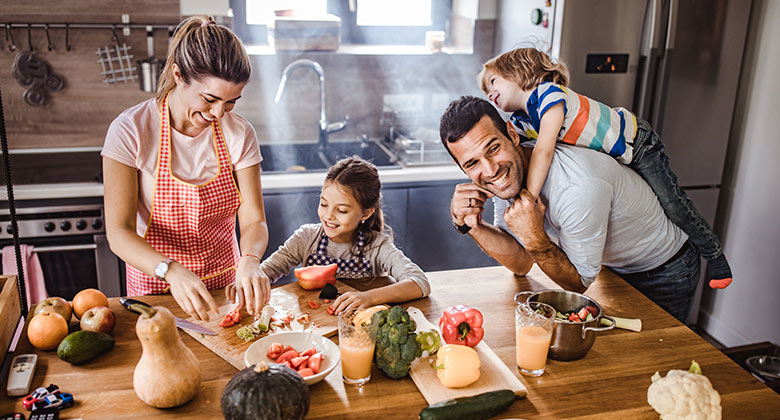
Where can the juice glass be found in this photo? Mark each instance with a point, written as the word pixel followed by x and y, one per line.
pixel 534 323
pixel 357 349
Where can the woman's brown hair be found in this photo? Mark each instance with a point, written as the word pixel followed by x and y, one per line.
pixel 201 48
pixel 528 67
pixel 362 178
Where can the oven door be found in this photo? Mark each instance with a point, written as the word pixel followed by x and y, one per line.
pixel 73 263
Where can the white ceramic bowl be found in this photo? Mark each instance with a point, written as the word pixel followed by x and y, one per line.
pixel 300 341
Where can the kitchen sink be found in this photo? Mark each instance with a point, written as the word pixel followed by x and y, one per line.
pixel 287 158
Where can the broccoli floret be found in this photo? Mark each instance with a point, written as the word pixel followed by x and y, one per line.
pixel 396 343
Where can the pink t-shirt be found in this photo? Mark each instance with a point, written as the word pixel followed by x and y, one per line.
pixel 133 139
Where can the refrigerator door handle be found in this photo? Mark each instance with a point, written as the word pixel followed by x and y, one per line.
pixel 650 55
pixel 671 29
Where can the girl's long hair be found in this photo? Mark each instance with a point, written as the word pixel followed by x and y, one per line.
pixel 201 48
pixel 361 177
pixel 528 67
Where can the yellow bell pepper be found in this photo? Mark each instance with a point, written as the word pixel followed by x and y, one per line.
pixel 457 366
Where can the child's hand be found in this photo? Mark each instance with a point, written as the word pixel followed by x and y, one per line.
pixel 351 300
pixel 525 218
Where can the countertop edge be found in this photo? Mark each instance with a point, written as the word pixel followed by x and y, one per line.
pixel 270 182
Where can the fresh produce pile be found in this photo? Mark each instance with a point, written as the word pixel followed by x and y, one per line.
pixel 306 363
pixel 584 314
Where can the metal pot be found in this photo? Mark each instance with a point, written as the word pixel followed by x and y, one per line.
pixel 570 340
pixel 149 68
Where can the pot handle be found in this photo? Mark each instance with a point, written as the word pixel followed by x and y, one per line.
pixel 608 327
pixel 520 294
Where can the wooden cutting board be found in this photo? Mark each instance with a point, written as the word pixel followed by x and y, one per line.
pixel 288 299
pixel 494 374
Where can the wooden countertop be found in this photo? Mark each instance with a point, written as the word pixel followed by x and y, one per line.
pixel 610 382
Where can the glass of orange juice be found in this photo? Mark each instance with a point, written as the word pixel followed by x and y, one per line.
pixel 357 348
pixel 534 323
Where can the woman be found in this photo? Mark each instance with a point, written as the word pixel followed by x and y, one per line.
pixel 178 168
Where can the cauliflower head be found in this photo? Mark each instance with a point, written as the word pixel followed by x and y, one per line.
pixel 683 395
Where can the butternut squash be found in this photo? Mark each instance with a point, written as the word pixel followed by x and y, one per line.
pixel 168 374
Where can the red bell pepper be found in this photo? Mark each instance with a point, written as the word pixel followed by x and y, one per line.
pixel 461 325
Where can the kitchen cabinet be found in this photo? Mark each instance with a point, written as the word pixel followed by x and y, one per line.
pixel 417 212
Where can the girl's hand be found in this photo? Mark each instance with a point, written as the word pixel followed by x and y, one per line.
pixel 253 287
pixel 189 292
pixel 351 300
pixel 525 218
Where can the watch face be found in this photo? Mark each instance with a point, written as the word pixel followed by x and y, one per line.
pixel 161 269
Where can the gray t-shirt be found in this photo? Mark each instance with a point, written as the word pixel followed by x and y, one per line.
pixel 602 212
pixel 384 257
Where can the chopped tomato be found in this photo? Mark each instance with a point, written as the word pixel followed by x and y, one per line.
pixel 303 319
pixel 236 315
pixel 227 321
pixel 288 348
pixel 287 355
pixel 305 372
pixel 309 351
pixel 275 351
pixel 313 304
pixel 288 364
pixel 326 300
pixel 315 361
pixel 330 310
pixel 287 319
pixel 300 361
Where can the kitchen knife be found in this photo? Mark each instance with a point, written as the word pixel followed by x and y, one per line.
pixel 181 323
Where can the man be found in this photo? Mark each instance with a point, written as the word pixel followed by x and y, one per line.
pixel 591 211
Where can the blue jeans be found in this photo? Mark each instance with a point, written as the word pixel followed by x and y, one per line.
pixel 652 164
pixel 671 285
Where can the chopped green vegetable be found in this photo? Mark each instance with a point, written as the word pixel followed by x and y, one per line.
pixel 430 341
pixel 695 368
pixel 261 325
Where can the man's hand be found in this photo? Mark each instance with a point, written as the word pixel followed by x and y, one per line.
pixel 468 203
pixel 525 218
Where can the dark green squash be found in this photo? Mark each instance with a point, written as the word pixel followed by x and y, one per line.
pixel 266 392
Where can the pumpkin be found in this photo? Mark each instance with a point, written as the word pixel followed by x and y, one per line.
pixel 266 392
pixel 168 373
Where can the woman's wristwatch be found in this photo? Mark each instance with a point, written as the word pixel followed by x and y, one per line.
pixel 162 268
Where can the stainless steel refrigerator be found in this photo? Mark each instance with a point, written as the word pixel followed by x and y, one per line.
pixel 675 63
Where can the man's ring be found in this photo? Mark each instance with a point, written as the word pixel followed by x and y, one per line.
pixel 470 203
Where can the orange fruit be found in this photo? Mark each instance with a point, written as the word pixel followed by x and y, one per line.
pixel 86 300
pixel 46 330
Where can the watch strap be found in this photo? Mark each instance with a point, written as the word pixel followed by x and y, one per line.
pixel 462 229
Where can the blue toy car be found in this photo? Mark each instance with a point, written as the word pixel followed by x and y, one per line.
pixel 58 400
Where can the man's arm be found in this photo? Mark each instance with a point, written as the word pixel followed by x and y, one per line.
pixel 526 219
pixel 468 201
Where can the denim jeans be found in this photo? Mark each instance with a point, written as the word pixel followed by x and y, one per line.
pixel 652 164
pixel 673 284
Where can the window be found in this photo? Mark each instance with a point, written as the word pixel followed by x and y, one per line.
pixel 373 22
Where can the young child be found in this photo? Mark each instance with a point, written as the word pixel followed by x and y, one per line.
pixel 528 84
pixel 351 234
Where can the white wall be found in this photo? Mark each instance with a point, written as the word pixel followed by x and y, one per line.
pixel 749 210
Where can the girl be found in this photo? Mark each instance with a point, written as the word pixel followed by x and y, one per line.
pixel 351 234
pixel 526 83
pixel 178 168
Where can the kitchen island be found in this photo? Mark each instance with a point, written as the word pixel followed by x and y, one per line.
pixel 609 382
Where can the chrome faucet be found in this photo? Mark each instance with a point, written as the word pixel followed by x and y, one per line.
pixel 325 128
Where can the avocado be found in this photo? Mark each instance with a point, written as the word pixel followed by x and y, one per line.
pixel 83 346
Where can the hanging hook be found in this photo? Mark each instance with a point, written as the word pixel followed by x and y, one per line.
pixel 67 36
pixel 29 36
pixel 115 36
pixel 9 38
pixel 48 38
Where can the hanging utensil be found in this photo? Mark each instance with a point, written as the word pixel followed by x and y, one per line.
pixel 149 68
pixel 34 73
pixel 117 56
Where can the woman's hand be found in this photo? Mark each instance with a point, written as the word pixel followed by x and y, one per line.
pixel 252 286
pixel 189 292
pixel 351 300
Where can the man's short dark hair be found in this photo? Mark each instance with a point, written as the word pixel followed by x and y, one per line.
pixel 462 115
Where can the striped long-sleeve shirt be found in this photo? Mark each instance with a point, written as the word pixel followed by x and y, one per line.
pixel 586 122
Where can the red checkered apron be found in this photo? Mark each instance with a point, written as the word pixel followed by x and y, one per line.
pixel 193 224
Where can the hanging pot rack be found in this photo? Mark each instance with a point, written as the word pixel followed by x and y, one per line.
pixel 9 38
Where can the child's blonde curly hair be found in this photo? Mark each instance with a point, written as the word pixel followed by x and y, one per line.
pixel 528 67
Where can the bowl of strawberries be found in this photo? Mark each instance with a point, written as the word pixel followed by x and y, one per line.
pixel 313 356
